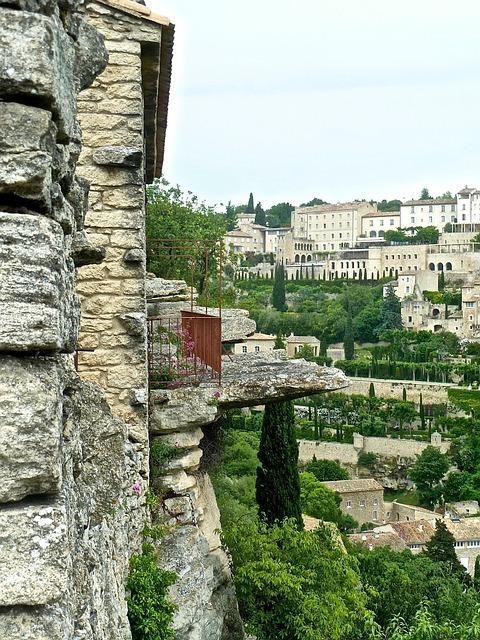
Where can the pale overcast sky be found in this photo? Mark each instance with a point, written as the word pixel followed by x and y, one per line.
pixel 330 98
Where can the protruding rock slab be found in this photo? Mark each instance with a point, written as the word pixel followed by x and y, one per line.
pixel 38 305
pixel 159 288
pixel 250 379
pixel 182 409
pixel 31 430
pixel 33 555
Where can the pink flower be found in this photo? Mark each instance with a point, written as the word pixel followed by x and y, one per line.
pixel 216 395
pixel 137 488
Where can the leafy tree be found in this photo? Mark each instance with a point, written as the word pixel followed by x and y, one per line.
pixel 178 216
pixel 476 574
pixel 447 195
pixel 306 352
pixel 326 470
pixel 390 316
pixel 260 215
pixel 391 205
pixel 426 235
pixel 396 235
pixel 441 548
pixel 371 390
pixel 278 292
pixel 314 202
pixel 279 215
pixel 457 486
pixel 278 484
pixel 317 500
pixel 366 322
pixel 427 473
pixel 279 342
pixel 295 584
pixel 425 195
pixel 250 206
pixel 230 217
pixel 404 413
pixel 348 343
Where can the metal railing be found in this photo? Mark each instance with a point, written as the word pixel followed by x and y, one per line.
pixel 184 351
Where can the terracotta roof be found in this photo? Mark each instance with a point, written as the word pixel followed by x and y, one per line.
pixel 324 208
pixel 261 336
pixel 379 539
pixel 382 214
pixel 237 233
pixel 466 529
pixel 303 339
pixel 414 532
pixel 353 486
pixel 431 201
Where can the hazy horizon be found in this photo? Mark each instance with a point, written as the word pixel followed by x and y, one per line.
pixel 337 100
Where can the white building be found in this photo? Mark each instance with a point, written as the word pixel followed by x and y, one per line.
pixel 424 213
pixel 375 224
pixel 413 284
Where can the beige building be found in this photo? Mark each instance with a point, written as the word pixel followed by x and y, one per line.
pixel 331 226
pixel 361 499
pixel 413 284
pixel 248 237
pixel 264 342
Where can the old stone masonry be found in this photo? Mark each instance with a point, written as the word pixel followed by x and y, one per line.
pixel 77 420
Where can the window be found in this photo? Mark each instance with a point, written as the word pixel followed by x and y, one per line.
pixel 430 219
pixel 410 319
pixel 370 223
pixel 381 223
pixel 463 207
pixel 407 289
pixel 443 208
pixel 257 349
pixel 244 349
pixel 443 218
pixel 458 544
pixel 464 216
pixel 412 209
pixel 430 208
pixel 349 504
pixel 469 305
pixel 473 543
pixel 375 502
pixel 392 222
pixel 412 219
pixel 362 503
pixel 375 515
pixel 452 208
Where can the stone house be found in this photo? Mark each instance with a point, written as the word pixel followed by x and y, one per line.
pixel 361 499
pixel 264 342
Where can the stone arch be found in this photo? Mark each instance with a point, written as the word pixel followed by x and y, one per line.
pixel 436 313
pixel 373 234
pixel 440 266
pixel 381 234
pixel 302 259
pixel 297 258
pixel 309 258
pixel 448 266
pixel 431 266
pixel 437 328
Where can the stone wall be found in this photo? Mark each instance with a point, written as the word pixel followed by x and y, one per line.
pixel 432 392
pixel 113 113
pixel 384 448
pixel 68 516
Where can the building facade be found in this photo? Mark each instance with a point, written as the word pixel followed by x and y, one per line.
pixel 361 499
pixel 424 213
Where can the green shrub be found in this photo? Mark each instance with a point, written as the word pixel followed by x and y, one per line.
pixel 149 611
pixel 368 460
pixel 161 453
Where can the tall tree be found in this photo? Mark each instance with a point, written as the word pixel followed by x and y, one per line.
pixel 250 206
pixel 260 215
pixel 404 394
pixel 427 473
pixel 476 574
pixel 279 215
pixel 441 281
pixel 279 342
pixel 230 216
pixel 278 483
pixel 390 315
pixel 278 291
pixel 314 202
pixel 371 390
pixel 348 343
pixel 425 195
pixel 421 413
pixel 441 548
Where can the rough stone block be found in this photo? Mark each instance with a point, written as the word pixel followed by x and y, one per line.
pixel 38 306
pixel 38 623
pixel 31 430
pixel 33 555
pixel 120 156
pixel 36 60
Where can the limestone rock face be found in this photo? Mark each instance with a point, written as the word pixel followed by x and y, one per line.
pixel 31 430
pixel 38 305
pixel 161 288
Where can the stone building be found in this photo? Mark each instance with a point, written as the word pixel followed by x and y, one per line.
pixel 435 212
pixel 361 499
pixel 123 117
pixel 375 224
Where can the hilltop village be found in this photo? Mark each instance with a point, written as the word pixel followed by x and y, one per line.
pixel 214 428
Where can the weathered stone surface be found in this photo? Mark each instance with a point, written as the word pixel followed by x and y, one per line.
pixel 134 256
pixel 134 323
pixel 30 434
pixel 207 608
pixel 182 409
pixel 161 288
pixel 91 56
pixel 38 307
pixel 83 252
pixel 250 379
pixel 236 325
pixel 118 156
pixel 34 556
pixel 49 622
pixel 36 59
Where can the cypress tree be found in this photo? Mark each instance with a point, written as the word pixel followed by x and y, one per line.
pixel 348 343
pixel 476 574
pixel 441 548
pixel 250 206
pixel 279 342
pixel 441 281
pixel 404 395
pixel 278 291
pixel 371 390
pixel 278 483
pixel 260 215
pixel 421 412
